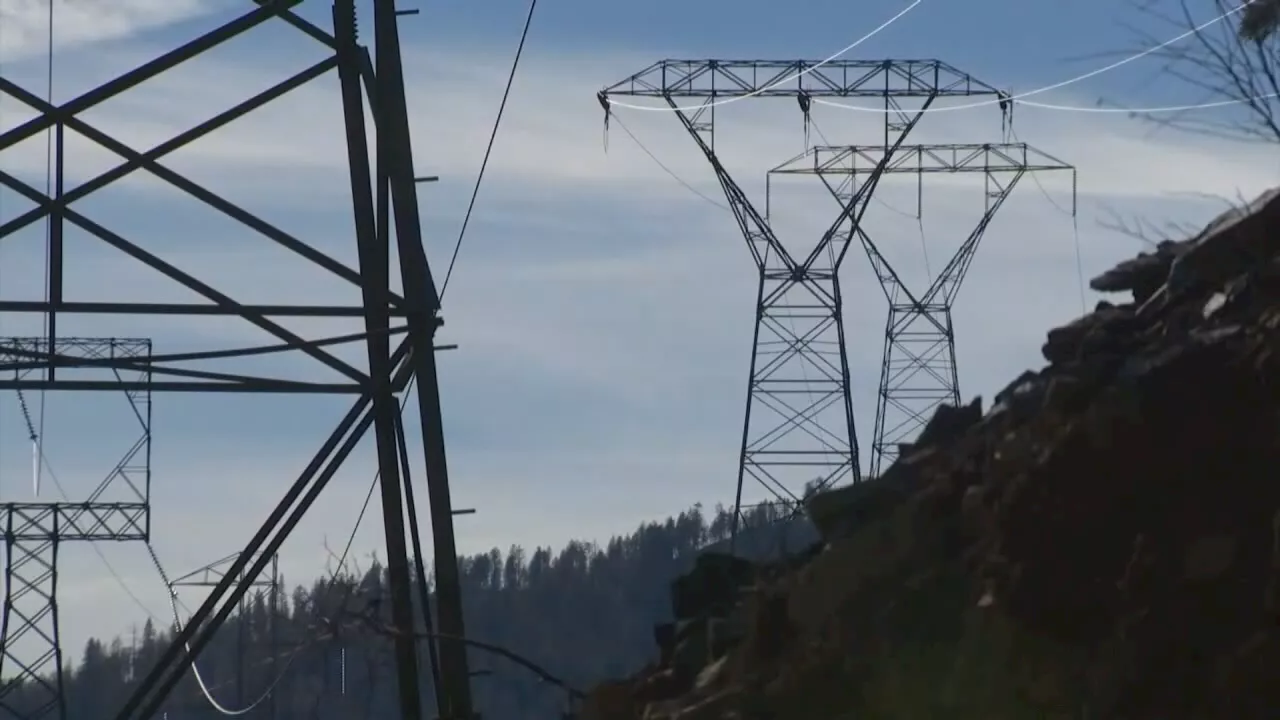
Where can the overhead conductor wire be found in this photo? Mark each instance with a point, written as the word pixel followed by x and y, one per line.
pixel 38 439
pixel 488 151
pixel 1018 98
pixel 195 670
pixel 1075 228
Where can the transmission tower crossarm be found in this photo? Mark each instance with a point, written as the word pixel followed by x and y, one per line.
pixel 722 79
pixel 114 521
pixel 211 574
pixel 861 160
pixel 1013 160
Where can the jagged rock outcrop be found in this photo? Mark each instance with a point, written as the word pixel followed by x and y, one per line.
pixel 1119 507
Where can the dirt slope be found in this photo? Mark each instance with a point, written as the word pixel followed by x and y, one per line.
pixel 1102 542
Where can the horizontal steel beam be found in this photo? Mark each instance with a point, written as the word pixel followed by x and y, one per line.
pixel 255 385
pixel 907 78
pixel 71 521
pixel 846 160
pixel 235 310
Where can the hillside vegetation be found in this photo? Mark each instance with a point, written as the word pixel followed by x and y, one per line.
pixel 583 615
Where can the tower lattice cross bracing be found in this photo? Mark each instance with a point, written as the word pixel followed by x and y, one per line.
pixel 397 340
pixel 919 370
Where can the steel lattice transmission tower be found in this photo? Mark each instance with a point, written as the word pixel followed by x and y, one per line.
pixel 918 371
pixel 799 351
pixel 209 576
pixel 385 210
pixel 118 509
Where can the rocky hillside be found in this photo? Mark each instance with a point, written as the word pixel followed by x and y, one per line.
pixel 1103 541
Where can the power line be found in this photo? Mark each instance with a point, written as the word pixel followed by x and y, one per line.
pixel 493 136
pixel 1075 231
pixel 1018 98
pixel 48 243
pixel 115 575
pixel 173 599
pixel 667 169
pixel 364 507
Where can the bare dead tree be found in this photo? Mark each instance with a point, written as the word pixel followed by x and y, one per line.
pixel 1234 64
pixel 1151 233
pixel 363 617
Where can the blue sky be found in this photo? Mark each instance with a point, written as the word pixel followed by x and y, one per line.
pixel 603 311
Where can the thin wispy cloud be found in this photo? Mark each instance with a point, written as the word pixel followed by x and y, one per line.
pixel 24 24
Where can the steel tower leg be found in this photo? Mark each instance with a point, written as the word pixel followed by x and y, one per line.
pixel 396 151
pixel 33 688
pixel 374 251
pixel 918 372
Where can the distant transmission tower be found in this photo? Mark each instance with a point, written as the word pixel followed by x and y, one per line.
pixel 208 577
pixel 118 509
pixel 919 372
pixel 799 422
pixel 385 210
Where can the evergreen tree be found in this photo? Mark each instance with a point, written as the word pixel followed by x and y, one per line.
pixel 584 613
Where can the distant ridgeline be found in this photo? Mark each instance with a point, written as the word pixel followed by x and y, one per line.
pixel 585 614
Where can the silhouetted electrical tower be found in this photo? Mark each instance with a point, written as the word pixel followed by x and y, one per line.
pixel 918 371
pixel 799 422
pixel 118 509
pixel 209 576
pixel 385 210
